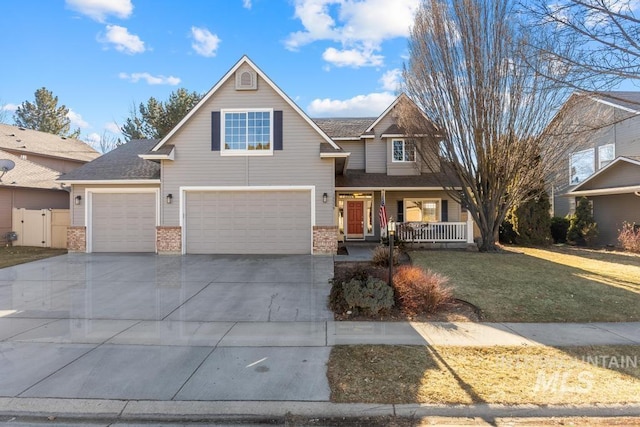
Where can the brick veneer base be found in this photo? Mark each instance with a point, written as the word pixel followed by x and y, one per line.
pixel 325 239
pixel 77 239
pixel 169 240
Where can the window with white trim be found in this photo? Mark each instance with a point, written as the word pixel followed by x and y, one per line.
pixel 422 210
pixel 606 154
pixel 247 132
pixel 403 151
pixel 581 166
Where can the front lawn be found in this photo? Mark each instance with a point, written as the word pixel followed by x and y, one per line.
pixel 542 285
pixel 501 375
pixel 13 255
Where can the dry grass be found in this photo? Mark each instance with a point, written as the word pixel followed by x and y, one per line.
pixel 543 285
pixel 501 375
pixel 14 255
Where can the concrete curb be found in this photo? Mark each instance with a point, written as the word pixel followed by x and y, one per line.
pixel 189 411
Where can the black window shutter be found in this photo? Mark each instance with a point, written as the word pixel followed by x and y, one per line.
pixel 277 130
pixel 445 211
pixel 215 131
pixel 400 211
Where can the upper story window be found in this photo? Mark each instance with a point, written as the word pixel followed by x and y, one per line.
pixel 247 132
pixel 606 154
pixel 403 151
pixel 581 166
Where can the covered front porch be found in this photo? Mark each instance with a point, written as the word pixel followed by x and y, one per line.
pixel 423 216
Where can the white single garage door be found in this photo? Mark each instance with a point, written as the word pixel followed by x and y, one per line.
pixel 123 222
pixel 248 222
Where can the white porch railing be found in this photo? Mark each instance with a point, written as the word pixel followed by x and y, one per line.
pixel 435 231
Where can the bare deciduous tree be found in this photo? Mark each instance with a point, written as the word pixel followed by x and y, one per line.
pixel 469 72
pixel 604 35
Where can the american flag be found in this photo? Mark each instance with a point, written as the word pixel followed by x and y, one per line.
pixel 383 213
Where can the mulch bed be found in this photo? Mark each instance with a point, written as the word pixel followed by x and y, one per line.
pixel 456 311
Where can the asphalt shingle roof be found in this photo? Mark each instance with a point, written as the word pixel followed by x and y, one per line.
pixel 28 174
pixel 626 99
pixel 345 127
pixel 360 179
pixel 120 164
pixel 26 141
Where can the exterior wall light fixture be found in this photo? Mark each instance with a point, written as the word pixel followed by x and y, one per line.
pixel 77 200
pixel 169 198
pixel 325 196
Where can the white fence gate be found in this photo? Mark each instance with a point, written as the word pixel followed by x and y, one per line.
pixel 42 227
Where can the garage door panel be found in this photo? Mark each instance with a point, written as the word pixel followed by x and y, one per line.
pixel 259 222
pixel 123 222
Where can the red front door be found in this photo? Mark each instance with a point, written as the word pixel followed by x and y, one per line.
pixel 355 219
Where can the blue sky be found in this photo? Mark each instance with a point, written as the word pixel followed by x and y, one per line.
pixel 333 57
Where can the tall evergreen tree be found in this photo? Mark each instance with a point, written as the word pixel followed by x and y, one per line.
pixel 45 115
pixel 155 119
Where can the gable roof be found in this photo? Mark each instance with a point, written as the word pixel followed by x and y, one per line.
pixel 27 174
pixel 244 60
pixel 612 190
pixel 626 100
pixel 120 164
pixel 345 128
pixel 18 139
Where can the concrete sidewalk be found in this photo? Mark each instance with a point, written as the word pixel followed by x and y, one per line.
pixel 177 370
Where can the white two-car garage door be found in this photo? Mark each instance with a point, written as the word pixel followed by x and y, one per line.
pixel 248 222
pixel 123 222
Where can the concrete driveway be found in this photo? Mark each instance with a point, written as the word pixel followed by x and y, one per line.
pixel 115 326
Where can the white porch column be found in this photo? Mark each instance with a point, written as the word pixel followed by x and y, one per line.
pixel 469 228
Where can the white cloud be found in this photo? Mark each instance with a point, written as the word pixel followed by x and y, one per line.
pixel 76 120
pixel 123 40
pixel 246 4
pixel 112 127
pixel 372 104
pixel 358 25
pixel 391 79
pixel 9 107
pixel 150 79
pixel 352 58
pixel 93 139
pixel 100 9
pixel 204 43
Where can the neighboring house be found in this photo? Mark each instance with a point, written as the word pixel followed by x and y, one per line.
pixel 39 159
pixel 52 151
pixel 247 171
pixel 605 165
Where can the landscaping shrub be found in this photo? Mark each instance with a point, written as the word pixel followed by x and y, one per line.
pixel 420 291
pixel 559 228
pixel 337 302
pixel 629 237
pixel 528 223
pixel 372 295
pixel 380 256
pixel 583 231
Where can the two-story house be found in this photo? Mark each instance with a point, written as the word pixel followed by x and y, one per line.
pixel 247 171
pixel 38 159
pixel 604 165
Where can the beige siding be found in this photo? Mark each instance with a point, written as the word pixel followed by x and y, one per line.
pixel 376 156
pixel 357 158
pixel 298 163
pixel 609 212
pixel 621 174
pixel 78 211
pixel 40 199
pixel 627 135
pixel 5 212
